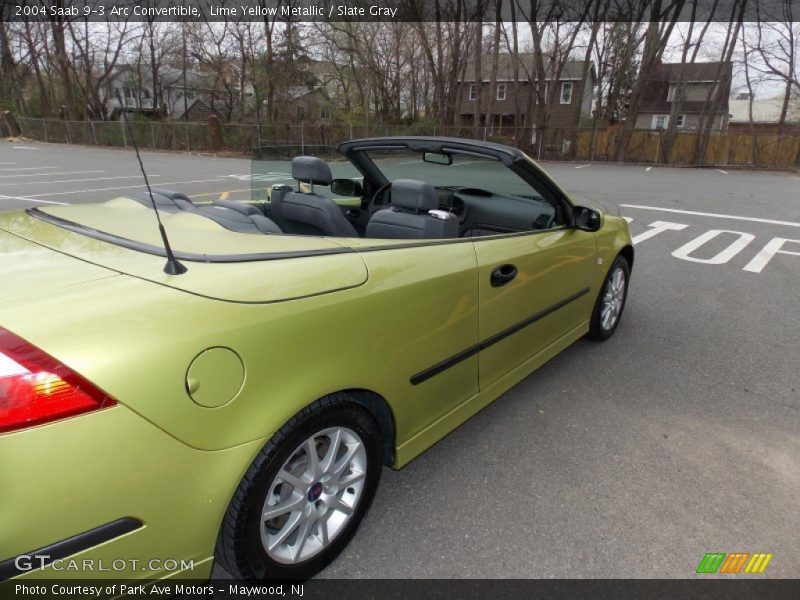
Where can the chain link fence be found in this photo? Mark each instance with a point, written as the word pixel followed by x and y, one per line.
pixel 727 148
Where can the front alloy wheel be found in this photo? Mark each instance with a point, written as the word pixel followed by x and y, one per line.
pixel 610 301
pixel 613 299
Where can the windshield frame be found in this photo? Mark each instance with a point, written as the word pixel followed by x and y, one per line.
pixel 515 160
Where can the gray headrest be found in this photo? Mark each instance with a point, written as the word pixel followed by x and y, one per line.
pixel 310 169
pixel 414 195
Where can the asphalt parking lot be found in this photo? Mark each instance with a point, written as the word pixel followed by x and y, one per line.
pixel 631 458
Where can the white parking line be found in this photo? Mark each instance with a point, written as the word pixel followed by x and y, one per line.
pixel 48 174
pixel 26 168
pixel 723 172
pixel 582 166
pixel 33 200
pixel 24 148
pixel 5 185
pixel 714 215
pixel 124 187
pixel 2 163
pixel 648 169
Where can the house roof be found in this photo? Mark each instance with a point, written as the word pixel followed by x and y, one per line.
pixel 695 72
pixel 573 69
pixel 665 74
pixel 765 110
pixel 169 76
pixel 198 106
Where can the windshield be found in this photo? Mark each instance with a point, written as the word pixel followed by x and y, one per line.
pixel 466 171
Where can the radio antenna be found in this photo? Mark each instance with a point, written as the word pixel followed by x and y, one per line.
pixel 173 266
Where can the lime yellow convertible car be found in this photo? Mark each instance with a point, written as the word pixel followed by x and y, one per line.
pixel 238 404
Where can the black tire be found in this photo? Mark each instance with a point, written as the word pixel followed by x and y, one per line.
pixel 239 547
pixel 596 329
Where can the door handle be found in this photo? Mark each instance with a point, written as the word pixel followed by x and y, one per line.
pixel 503 274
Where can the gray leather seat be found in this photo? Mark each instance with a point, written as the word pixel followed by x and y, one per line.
pixel 408 216
pixel 309 213
pixel 238 220
pixel 234 216
pixel 166 200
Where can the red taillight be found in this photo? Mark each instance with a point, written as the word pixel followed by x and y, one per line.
pixel 35 388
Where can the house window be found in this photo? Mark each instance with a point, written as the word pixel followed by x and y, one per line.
pixel 681 121
pixel 502 88
pixel 566 92
pixel 472 91
pixel 325 112
pixel 660 121
pixel 671 92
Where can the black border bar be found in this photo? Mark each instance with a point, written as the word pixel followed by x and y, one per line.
pixel 73 545
pixel 490 341
pixel 386 11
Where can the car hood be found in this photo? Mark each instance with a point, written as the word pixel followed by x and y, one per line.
pixel 39 254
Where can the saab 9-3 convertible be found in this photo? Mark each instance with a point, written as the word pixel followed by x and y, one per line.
pixel 238 404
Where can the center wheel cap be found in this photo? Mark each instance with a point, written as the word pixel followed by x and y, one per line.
pixel 314 492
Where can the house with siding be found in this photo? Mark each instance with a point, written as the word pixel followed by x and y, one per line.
pixel 704 89
pixel 765 112
pixel 511 96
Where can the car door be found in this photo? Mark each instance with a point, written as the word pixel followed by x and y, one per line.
pixel 533 289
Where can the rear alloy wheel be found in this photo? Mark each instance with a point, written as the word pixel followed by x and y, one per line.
pixel 314 495
pixel 610 301
pixel 305 494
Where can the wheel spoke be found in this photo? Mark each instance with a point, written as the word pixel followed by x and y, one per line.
pixel 287 506
pixel 296 482
pixel 339 468
pixel 287 530
pixel 617 279
pixel 302 537
pixel 337 503
pixel 313 458
pixel 322 528
pixel 333 450
pixel 351 479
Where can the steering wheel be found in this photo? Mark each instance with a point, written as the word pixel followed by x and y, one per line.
pixel 376 195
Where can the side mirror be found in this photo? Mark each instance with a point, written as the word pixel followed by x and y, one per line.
pixel 346 187
pixel 586 219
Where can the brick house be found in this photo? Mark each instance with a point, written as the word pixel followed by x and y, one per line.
pixel 701 87
pixel 572 103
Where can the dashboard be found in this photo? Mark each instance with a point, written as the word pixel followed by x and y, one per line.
pixel 481 212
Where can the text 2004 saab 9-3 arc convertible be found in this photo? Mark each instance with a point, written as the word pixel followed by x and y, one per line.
pixel 242 411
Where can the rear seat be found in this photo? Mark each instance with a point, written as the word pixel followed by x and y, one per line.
pixel 234 216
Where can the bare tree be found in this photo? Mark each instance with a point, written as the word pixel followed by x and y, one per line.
pixel 718 94
pixel 58 26
pixel 659 29
pixel 776 45
pixel 495 57
pixel 97 49
pixel 9 69
pixel 478 75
